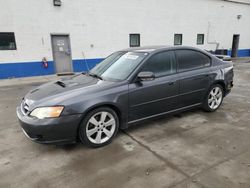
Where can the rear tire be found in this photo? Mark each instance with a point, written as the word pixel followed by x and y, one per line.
pixel 99 127
pixel 214 98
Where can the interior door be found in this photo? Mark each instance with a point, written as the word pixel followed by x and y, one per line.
pixel 152 97
pixel 61 53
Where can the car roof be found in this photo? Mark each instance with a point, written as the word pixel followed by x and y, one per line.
pixel 144 48
pixel 152 49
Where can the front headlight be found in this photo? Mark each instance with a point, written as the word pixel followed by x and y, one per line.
pixel 47 112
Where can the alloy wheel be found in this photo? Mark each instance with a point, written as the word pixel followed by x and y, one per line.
pixel 100 127
pixel 215 98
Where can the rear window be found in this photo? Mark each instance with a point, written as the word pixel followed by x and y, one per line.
pixel 190 60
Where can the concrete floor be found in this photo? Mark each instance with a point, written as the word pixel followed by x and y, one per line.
pixel 194 149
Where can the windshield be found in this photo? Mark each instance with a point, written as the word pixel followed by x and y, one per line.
pixel 119 65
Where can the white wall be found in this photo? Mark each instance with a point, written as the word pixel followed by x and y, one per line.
pixel 107 24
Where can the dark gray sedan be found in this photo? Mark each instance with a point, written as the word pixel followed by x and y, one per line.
pixel 127 87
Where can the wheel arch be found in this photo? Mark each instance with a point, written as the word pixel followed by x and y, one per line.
pixel 222 84
pixel 109 105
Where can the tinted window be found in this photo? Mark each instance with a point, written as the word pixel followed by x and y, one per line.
pixel 7 41
pixel 189 59
pixel 161 64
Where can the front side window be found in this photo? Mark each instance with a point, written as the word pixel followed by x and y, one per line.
pixel 134 40
pixel 119 65
pixel 178 39
pixel 7 41
pixel 161 64
pixel 190 59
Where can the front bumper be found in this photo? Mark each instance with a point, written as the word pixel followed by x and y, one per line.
pixel 51 130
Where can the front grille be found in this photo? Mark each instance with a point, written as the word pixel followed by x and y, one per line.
pixel 24 108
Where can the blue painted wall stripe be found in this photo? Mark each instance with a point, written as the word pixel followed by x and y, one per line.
pixel 80 65
pixel 25 69
pixel 241 52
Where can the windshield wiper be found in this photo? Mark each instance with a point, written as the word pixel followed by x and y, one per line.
pixel 84 73
pixel 95 75
pixel 60 83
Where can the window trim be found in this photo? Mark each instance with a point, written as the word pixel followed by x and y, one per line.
pixel 174 56
pixel 14 41
pixel 181 39
pixel 203 39
pixel 178 65
pixel 139 37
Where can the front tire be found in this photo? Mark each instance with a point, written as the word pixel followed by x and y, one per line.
pixel 214 98
pixel 99 127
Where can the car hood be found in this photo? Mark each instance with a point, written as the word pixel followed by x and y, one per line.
pixel 54 93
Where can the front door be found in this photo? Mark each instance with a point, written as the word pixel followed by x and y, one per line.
pixel 153 97
pixel 61 53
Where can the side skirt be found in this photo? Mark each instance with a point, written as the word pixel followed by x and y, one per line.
pixel 165 113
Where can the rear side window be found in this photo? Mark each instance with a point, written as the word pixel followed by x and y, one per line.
pixel 161 64
pixel 190 59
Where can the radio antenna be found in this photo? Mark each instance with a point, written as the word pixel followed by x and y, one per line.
pixel 85 61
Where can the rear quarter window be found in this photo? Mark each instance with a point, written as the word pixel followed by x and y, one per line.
pixel 190 60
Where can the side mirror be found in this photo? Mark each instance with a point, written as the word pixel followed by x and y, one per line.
pixel 146 76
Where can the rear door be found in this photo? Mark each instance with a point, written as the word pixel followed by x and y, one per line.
pixel 194 76
pixel 151 97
